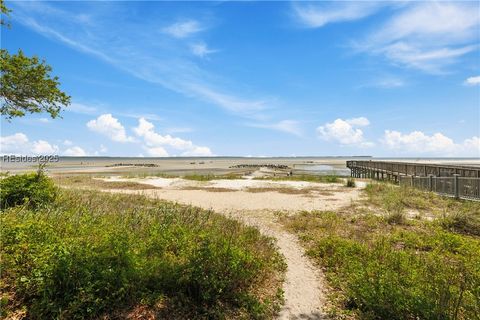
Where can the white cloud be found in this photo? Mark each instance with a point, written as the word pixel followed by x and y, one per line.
pixel 43 147
pixel 472 81
pixel 183 29
pixel 102 150
pixel 81 108
pixel 201 49
pixel 427 59
pixel 418 142
pixel 67 142
pixel 344 132
pixel 179 130
pixel 19 144
pixel 320 14
pixel 390 83
pixel 360 121
pixel 14 144
pixel 109 126
pixel 288 126
pixel 155 142
pixel 198 152
pixel 386 82
pixel 75 152
pixel 229 102
pixel 427 35
pixel 156 151
pixel 473 144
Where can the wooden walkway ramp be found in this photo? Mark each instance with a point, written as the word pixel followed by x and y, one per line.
pixel 452 180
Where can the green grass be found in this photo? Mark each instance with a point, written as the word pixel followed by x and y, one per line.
pixel 304 177
pixel 380 271
pixel 149 174
pixel 92 255
pixel 455 215
pixel 382 268
pixel 192 176
pixel 90 182
pixel 209 177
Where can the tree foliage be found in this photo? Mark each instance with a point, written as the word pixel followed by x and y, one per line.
pixel 26 85
pixel 4 12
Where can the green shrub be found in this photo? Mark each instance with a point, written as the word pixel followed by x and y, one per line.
pixel 462 221
pixel 93 254
pixel 350 183
pixel 32 189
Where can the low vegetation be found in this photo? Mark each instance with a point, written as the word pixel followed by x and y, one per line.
pixel 304 177
pixel 350 183
pixel 33 190
pixel 94 255
pixel 209 177
pixel 148 174
pixel 386 267
pixel 311 192
pixel 192 176
pixel 454 215
pixel 209 189
pixel 86 182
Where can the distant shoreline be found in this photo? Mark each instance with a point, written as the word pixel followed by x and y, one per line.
pixel 207 165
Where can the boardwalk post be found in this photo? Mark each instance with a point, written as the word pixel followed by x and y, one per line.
pixel 430 182
pixel 411 180
pixel 456 190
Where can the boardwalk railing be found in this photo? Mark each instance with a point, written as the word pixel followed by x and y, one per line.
pixel 456 186
pixel 456 181
pixel 416 169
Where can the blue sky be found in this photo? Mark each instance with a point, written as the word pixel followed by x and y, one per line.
pixel 253 78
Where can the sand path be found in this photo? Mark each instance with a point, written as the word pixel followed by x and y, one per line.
pixel 304 289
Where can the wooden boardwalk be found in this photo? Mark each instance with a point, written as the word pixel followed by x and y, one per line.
pixel 457 181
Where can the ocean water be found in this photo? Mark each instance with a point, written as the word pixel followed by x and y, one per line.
pixel 308 165
pixel 321 169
